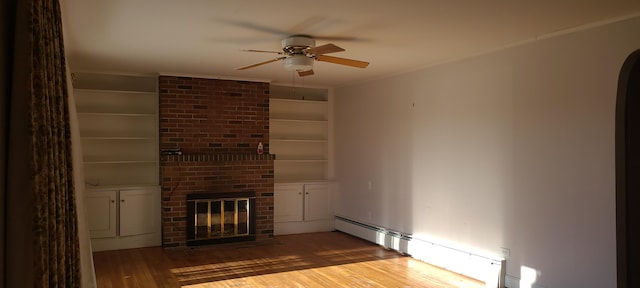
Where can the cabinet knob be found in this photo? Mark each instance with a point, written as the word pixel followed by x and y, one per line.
pixel 307 193
pixel 122 200
pixel 113 201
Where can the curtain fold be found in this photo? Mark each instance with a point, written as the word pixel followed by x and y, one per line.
pixel 56 243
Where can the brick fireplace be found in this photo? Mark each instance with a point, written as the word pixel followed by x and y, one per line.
pixel 217 125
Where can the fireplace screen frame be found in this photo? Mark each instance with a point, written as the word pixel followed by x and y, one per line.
pixel 215 209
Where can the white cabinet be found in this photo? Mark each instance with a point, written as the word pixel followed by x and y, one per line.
pixel 139 212
pixel 288 202
pixel 101 213
pixel 121 218
pixel 299 134
pixel 317 202
pixel 302 208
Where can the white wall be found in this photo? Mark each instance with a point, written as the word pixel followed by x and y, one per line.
pixel 87 271
pixel 511 149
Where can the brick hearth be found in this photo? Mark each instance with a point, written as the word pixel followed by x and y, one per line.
pixel 218 125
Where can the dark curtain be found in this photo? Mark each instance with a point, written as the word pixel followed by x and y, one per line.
pixel 41 247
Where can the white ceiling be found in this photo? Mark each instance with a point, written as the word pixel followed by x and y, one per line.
pixel 206 37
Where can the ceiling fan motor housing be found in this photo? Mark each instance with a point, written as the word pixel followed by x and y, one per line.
pixel 296 44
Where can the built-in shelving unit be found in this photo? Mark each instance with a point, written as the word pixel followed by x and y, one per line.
pixel 299 133
pixel 118 119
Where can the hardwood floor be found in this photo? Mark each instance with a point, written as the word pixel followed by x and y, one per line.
pixel 331 259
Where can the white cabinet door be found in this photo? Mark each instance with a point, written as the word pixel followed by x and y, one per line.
pixel 288 202
pixel 101 213
pixel 317 202
pixel 139 211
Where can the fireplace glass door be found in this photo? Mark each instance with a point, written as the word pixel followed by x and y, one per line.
pixel 221 218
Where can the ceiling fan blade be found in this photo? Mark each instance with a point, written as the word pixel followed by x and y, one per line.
pixel 263 51
pixel 261 63
pixel 305 73
pixel 324 49
pixel 343 61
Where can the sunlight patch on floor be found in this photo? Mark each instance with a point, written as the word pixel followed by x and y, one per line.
pixel 376 273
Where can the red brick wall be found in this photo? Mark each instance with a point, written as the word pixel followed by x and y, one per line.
pixel 213 116
pixel 217 124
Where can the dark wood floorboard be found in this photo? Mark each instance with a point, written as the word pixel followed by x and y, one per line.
pixel 331 259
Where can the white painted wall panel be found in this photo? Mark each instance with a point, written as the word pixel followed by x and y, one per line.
pixel 510 149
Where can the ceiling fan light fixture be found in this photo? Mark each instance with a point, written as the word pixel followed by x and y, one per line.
pixel 298 63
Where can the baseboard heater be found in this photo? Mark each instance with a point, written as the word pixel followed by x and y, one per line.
pixel 491 271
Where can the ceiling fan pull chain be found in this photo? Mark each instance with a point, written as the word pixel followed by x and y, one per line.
pixel 302 86
pixel 293 80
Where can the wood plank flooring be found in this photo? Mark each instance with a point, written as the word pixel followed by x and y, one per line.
pixel 331 259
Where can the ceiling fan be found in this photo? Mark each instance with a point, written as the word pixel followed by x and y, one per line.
pixel 300 51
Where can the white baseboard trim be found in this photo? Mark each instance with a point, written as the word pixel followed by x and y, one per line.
pixel 483 268
pixel 515 282
pixel 512 282
pixel 128 242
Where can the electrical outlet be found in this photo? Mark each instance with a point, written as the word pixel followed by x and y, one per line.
pixel 506 252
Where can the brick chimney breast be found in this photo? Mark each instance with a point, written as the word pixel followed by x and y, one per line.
pixel 217 125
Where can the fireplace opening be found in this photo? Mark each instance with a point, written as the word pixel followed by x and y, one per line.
pixel 215 218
